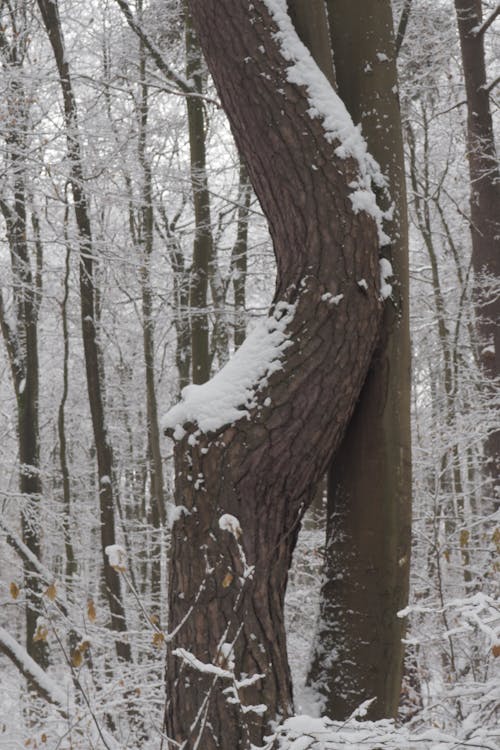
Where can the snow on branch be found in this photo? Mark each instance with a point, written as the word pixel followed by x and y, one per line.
pixel 201 666
pixel 232 392
pixel 308 733
pixel 482 28
pixel 46 687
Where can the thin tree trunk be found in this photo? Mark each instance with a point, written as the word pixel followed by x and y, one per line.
pixel 359 652
pixel 158 511
pixel 203 242
pixel 21 339
pixel 70 567
pixel 239 257
pixel 226 587
pixel 89 318
pixel 181 297
pixel 484 207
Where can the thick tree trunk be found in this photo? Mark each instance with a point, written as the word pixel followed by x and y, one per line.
pixel 359 653
pixel 484 208
pixel 227 671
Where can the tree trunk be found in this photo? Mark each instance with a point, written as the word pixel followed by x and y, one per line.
pixel 202 247
pixel 21 339
pixel 158 510
pixel 358 652
pixel 484 206
pixel 258 474
pixel 89 317
pixel 239 257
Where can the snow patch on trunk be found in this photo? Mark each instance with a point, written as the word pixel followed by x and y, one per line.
pixel 326 105
pixel 232 393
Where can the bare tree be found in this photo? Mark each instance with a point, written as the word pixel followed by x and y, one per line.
pixel 89 319
pixel 20 331
pixel 484 202
pixel 359 650
pixel 244 482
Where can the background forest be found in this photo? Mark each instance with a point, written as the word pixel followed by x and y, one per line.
pixel 165 266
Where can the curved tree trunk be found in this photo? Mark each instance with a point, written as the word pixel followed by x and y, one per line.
pixel 245 485
pixel 359 651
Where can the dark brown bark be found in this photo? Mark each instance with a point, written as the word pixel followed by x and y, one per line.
pixel 484 208
pixel 21 339
pixel 89 318
pixel 359 653
pixel 203 241
pixel 263 471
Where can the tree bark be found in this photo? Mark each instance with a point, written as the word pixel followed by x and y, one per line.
pixel 359 652
pixel 484 206
pixel 21 339
pixel 203 241
pixel 226 590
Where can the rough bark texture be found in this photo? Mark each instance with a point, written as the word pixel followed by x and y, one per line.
pixel 484 207
pixel 226 589
pixel 359 653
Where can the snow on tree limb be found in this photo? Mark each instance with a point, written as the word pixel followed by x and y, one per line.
pixel 45 685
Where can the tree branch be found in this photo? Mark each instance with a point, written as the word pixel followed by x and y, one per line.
pixel 44 685
pixel 492 85
pixel 155 53
pixel 403 23
pixel 481 30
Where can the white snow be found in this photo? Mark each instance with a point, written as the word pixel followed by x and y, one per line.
pixel 385 273
pixel 174 513
pixel 329 107
pixel 332 299
pixel 52 689
pixel 117 556
pixel 201 666
pixel 230 523
pixel 231 393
